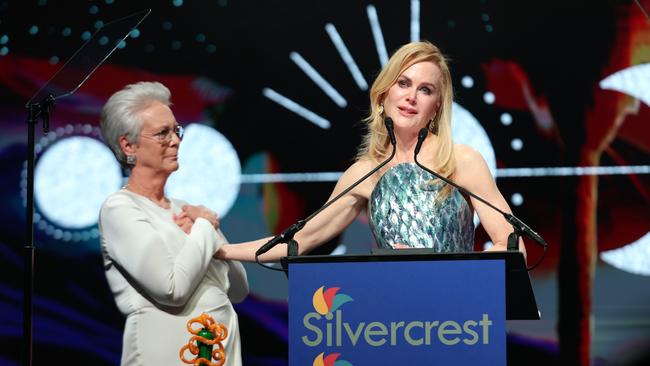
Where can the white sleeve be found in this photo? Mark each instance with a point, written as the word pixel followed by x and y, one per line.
pixel 138 249
pixel 237 278
pixel 238 289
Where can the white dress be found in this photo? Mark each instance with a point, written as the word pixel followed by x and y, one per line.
pixel 162 277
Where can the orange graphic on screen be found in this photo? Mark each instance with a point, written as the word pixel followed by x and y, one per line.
pixel 330 360
pixel 329 300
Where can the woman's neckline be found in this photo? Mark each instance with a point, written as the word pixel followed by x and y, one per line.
pixel 168 202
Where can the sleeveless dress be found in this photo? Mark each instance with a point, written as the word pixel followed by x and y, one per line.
pixel 403 210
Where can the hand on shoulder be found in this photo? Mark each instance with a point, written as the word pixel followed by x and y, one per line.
pixel 183 221
pixel 194 212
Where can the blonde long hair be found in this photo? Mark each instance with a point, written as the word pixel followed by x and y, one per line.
pixel 376 144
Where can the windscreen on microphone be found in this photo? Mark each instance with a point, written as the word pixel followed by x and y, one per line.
pixel 388 122
pixel 422 135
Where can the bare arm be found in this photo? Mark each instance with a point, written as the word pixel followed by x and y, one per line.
pixel 324 226
pixel 472 173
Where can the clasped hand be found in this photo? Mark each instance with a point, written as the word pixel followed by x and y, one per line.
pixel 185 219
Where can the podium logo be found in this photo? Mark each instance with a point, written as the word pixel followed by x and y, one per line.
pixel 330 360
pixel 327 301
pixel 327 326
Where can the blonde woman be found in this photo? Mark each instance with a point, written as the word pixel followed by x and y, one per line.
pixel 407 206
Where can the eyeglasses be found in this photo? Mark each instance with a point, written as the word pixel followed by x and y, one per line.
pixel 165 136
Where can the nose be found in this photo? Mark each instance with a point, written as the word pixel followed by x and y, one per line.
pixel 411 97
pixel 176 140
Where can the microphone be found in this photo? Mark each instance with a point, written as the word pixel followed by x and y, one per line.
pixel 287 235
pixel 518 226
pixel 283 237
pixel 421 136
pixel 388 122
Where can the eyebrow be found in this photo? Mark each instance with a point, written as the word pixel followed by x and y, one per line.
pixel 425 83
pixel 166 126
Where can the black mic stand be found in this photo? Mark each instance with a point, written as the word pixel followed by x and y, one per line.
pixel 287 235
pixel 83 63
pixel 37 110
pixel 519 228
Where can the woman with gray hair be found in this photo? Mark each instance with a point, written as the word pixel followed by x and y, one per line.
pixel 158 251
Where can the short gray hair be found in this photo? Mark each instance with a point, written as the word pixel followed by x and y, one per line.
pixel 121 113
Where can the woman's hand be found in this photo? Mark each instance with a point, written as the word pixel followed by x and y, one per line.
pixel 194 212
pixel 184 222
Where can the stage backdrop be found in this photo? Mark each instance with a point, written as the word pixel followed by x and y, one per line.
pixel 554 94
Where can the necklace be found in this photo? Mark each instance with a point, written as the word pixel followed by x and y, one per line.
pixel 166 204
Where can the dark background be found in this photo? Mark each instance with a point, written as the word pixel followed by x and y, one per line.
pixel 542 60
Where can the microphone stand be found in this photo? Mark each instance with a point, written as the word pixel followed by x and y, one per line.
pixel 287 235
pixel 38 110
pixel 519 228
pixel 84 62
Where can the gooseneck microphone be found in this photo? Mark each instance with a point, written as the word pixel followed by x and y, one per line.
pixel 286 236
pixel 518 226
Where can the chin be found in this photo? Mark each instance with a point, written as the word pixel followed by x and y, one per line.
pixel 172 167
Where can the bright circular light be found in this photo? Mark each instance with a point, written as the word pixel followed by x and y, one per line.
pixel 489 97
pixel 506 119
pixel 467 81
pixel 467 130
pixel 517 199
pixel 516 144
pixel 72 179
pixel 209 171
pixel 632 258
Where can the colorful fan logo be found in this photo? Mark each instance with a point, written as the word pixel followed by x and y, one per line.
pixel 327 301
pixel 330 360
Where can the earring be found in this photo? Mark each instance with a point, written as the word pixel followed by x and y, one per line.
pixel 433 126
pixel 130 160
pixel 380 109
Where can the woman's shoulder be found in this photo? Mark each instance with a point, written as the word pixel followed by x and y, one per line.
pixel 355 172
pixel 121 199
pixel 471 167
pixel 360 166
pixel 467 156
pixel 115 204
pixel 117 198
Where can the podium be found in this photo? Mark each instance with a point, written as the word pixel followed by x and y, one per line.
pixel 405 306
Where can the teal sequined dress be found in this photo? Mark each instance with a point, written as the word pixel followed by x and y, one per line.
pixel 403 210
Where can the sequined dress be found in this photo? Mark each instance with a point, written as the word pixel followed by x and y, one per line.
pixel 403 210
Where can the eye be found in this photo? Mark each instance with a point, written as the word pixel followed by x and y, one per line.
pixel 402 82
pixel 164 132
pixel 426 90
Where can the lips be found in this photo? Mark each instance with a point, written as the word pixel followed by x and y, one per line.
pixel 408 110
